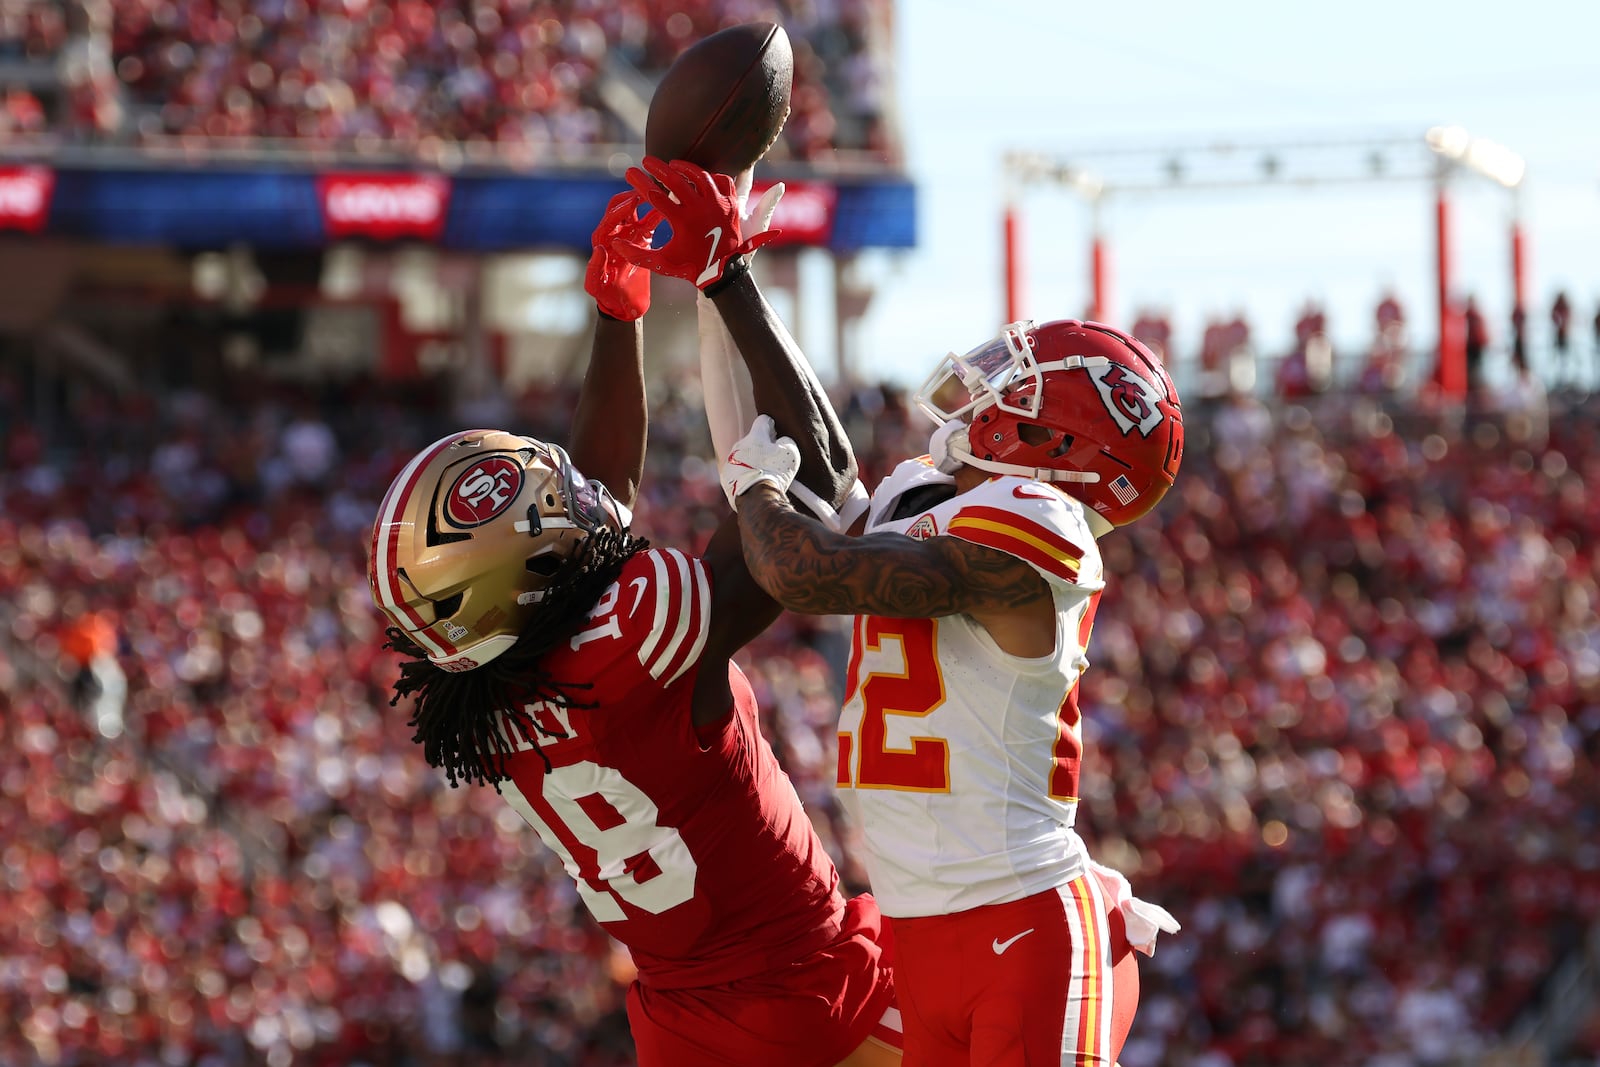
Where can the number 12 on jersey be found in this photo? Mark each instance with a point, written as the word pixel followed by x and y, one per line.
pixel 916 691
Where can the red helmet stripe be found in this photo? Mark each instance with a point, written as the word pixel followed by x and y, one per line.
pixel 386 545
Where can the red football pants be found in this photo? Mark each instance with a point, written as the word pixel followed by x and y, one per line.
pixel 812 1013
pixel 1049 979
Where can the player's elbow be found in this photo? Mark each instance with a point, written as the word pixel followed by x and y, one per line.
pixel 843 474
pixel 847 479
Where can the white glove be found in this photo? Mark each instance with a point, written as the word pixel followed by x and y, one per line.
pixel 759 218
pixel 757 458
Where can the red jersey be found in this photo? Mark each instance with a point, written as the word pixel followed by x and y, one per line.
pixel 694 852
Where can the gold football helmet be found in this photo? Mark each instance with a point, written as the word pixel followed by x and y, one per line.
pixel 471 534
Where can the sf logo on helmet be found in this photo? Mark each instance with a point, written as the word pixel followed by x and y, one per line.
pixel 1130 397
pixel 483 491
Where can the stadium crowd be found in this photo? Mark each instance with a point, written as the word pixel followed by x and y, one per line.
pixel 1344 722
pixel 516 80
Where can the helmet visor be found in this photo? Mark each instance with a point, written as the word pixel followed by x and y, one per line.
pixel 959 383
pixel 589 505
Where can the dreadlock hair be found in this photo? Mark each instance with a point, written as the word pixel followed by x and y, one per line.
pixel 458 717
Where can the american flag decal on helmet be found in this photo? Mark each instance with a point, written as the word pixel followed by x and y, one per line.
pixel 1123 488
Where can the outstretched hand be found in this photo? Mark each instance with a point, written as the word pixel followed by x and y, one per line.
pixel 704 211
pixel 620 289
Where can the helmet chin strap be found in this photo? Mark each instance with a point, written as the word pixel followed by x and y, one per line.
pixel 941 446
pixel 957 452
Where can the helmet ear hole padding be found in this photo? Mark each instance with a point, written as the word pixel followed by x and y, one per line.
pixel 544 566
pixel 1034 434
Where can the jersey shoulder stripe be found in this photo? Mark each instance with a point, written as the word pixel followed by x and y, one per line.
pixel 661 585
pixel 673 615
pixel 699 623
pixel 1020 536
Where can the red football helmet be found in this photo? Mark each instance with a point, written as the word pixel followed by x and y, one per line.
pixel 1079 404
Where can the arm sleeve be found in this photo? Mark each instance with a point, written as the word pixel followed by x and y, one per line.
pixel 731 408
pixel 724 381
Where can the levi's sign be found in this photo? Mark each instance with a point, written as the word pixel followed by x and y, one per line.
pixel 384 206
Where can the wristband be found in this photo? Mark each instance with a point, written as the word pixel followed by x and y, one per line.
pixel 736 267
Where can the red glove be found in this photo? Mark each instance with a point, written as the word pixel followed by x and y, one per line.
pixel 703 210
pixel 620 289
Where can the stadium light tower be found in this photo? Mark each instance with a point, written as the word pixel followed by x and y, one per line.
pixel 1031 168
pixel 1095 175
pixel 1457 150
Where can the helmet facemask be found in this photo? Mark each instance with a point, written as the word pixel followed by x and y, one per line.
pixel 1001 373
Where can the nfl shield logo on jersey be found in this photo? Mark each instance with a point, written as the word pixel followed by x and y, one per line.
pixel 923 529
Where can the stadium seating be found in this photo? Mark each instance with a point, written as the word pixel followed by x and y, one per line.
pixel 1344 721
pixel 508 80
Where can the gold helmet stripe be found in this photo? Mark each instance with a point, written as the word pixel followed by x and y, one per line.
pixel 385 546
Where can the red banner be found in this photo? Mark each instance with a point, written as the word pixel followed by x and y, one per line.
pixel 805 214
pixel 25 197
pixel 384 206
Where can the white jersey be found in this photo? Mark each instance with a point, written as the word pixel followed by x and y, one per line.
pixel 959 760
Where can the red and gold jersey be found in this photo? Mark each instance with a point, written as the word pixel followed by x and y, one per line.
pixel 960 760
pixel 692 850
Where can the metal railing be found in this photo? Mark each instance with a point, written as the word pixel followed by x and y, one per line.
pixel 433 154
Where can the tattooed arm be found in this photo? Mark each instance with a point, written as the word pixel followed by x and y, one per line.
pixel 808 568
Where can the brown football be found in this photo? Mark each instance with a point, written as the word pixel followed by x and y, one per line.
pixel 724 101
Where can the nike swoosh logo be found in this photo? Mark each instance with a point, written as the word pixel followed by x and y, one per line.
pixel 714 235
pixel 1001 946
pixel 639 583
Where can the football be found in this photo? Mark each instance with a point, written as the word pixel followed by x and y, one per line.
pixel 724 101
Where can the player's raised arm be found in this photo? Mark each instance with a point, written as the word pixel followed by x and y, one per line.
pixel 709 248
pixel 610 427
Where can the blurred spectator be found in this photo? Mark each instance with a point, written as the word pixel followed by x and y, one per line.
pixel 21 113
pixel 1385 365
pixel 1308 368
pixel 1519 339
pixel 89 643
pixel 1227 362
pixel 1561 331
pixel 32 30
pixel 1477 342
pixel 1433 1021
pixel 1154 330
pixel 438 81
pixel 308 450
